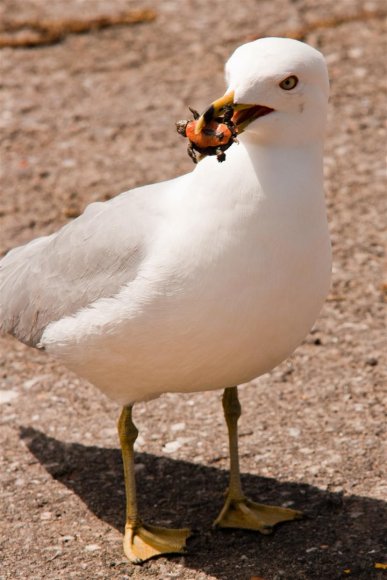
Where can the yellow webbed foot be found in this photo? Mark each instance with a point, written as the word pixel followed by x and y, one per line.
pixel 143 541
pixel 248 515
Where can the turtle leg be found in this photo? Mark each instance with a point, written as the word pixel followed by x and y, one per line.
pixel 238 511
pixel 142 541
pixel 228 114
pixel 195 114
pixel 192 153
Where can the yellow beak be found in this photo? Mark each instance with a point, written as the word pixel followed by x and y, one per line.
pixel 216 108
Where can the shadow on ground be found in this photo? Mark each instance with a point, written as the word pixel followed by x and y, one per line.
pixel 338 533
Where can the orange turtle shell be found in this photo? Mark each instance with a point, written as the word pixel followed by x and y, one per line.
pixel 212 135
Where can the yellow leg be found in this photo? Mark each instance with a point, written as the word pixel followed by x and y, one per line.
pixel 142 541
pixel 238 511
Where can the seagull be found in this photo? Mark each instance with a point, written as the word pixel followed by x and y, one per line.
pixel 203 282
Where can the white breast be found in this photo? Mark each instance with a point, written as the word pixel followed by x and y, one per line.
pixel 232 284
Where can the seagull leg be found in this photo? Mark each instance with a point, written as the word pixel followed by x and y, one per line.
pixel 238 511
pixel 142 541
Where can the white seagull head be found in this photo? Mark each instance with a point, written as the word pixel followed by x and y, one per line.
pixel 279 90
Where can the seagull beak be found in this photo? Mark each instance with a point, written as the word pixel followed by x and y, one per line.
pixel 243 114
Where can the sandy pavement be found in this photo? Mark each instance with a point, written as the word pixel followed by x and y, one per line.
pixel 93 115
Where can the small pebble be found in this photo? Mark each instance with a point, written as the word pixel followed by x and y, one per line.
pixel 7 396
pixel 178 427
pixel 172 446
pixel 29 384
pixel 287 504
pixel 356 514
pixel 92 548
pixel 294 432
pixel 355 52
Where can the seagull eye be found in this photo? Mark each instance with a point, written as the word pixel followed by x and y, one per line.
pixel 289 83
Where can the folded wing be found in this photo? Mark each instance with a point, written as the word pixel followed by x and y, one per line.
pixel 90 258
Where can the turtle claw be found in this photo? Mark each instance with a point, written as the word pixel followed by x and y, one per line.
pixel 194 112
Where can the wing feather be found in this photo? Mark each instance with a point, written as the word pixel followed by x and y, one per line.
pixel 92 257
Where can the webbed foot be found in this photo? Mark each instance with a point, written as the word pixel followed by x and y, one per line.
pixel 246 514
pixel 143 541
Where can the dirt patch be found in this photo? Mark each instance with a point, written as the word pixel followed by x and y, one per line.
pixel 32 33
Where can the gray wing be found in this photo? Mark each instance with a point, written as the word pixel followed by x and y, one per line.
pixel 90 258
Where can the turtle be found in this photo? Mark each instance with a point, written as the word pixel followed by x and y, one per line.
pixel 215 138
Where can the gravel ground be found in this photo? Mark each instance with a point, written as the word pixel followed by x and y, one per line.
pixel 93 115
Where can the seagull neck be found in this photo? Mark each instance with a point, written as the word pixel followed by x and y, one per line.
pixel 285 168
